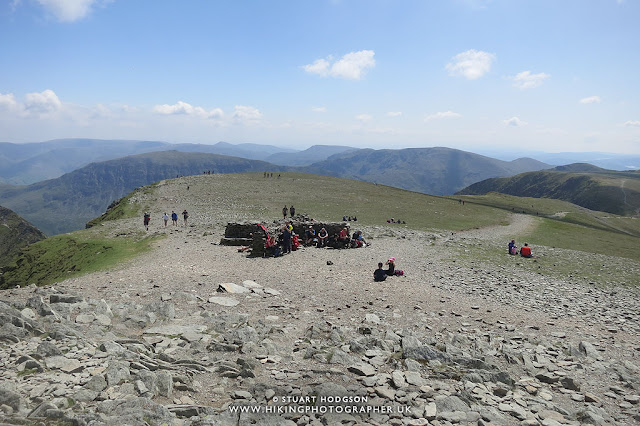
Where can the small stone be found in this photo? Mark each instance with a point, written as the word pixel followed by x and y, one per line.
pixel 224 301
pixel 362 369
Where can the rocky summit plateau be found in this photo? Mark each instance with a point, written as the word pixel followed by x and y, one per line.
pixel 193 332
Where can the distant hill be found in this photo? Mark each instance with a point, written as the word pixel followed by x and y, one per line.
pixel 585 185
pixel 437 171
pixel 15 233
pixel 309 156
pixel 66 203
pixel 24 164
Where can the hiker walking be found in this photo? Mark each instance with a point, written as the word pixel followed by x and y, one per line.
pixel 292 211
pixel 185 216
pixel 147 218
pixel 285 210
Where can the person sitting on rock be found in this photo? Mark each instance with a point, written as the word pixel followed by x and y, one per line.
pixel 512 247
pixel 323 235
pixel 343 238
pixel 526 251
pixel 310 236
pixel 379 274
pixel 392 266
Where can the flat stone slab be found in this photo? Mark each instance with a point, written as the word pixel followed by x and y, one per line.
pixel 224 301
pixel 68 365
pixel 175 330
pixel 251 284
pixel 232 288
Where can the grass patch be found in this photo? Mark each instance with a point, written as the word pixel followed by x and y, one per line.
pixel 65 256
pixel 329 199
pixel 556 247
pixel 120 209
pixel 558 210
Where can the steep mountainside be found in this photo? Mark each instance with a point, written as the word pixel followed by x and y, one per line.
pixel 15 233
pixel 437 171
pixel 309 156
pixel 68 202
pixel 603 190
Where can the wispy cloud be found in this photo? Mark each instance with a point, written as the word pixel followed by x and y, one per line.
pixel 591 100
pixel 394 113
pixel 246 114
pixel 364 118
pixel 442 116
pixel 471 64
pixel 70 10
pixel 514 122
pixel 184 108
pixel 352 66
pixel 526 80
pixel 319 109
pixel 632 123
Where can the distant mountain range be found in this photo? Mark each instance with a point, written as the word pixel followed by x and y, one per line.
pixel 583 184
pixel 24 164
pixel 15 233
pixel 436 171
pixel 66 203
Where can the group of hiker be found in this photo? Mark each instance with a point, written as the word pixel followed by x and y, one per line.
pixel 165 217
pixel 525 251
pixel 288 241
pixel 288 210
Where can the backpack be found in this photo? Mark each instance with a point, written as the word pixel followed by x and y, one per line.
pixel 399 272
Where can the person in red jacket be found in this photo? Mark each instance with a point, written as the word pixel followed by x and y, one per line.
pixel 525 251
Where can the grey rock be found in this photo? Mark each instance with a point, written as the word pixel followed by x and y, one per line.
pixel 426 353
pixel 164 383
pixel 232 288
pixel 41 410
pixel 136 411
pixel 451 403
pixel 97 383
pixel 117 372
pixel 64 298
pixel 68 365
pixel 85 395
pixel 224 301
pixel 362 369
pixel 47 349
pixel 569 383
pixel 10 398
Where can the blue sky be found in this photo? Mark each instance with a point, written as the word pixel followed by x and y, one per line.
pixel 469 74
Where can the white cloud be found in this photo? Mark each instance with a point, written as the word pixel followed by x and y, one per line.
pixel 364 118
pixel 351 66
pixel 394 113
pixel 591 100
pixel 471 64
pixel 442 116
pixel 632 123
pixel 187 109
pixel 246 114
pixel 69 10
pixel 8 102
pixel 319 66
pixel 42 103
pixel 319 109
pixel 515 122
pixel 526 80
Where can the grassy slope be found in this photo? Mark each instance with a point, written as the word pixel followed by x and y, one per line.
pixel 609 191
pixel 65 256
pixel 328 199
pixel 566 225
